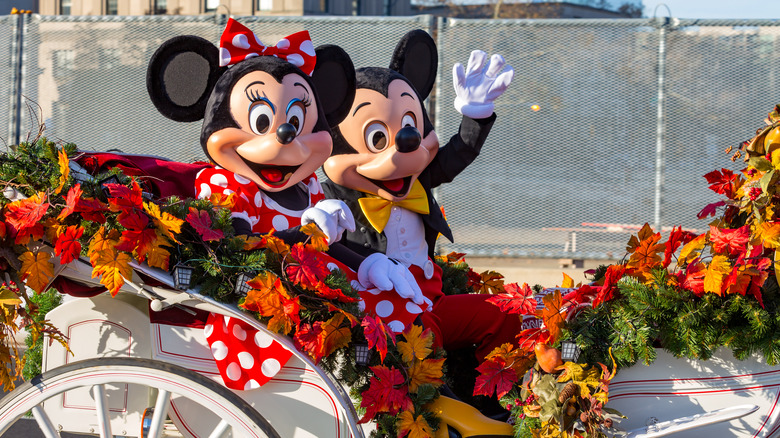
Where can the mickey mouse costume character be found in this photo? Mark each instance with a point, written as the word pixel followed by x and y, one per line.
pixel 266 123
pixel 384 169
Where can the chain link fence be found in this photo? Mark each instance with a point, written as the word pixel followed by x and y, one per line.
pixel 608 124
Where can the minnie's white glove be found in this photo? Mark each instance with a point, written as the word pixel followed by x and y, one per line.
pixel 478 86
pixel 332 216
pixel 384 274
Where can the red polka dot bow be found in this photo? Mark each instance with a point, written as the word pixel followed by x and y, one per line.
pixel 239 43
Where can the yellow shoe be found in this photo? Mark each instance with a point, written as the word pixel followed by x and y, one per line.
pixel 462 420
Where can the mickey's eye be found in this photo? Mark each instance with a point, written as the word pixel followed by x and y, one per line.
pixel 260 117
pixel 296 115
pixel 376 137
pixel 409 120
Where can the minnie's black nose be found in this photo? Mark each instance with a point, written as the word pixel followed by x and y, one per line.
pixel 407 139
pixel 285 133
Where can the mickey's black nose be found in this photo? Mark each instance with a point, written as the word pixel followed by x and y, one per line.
pixel 285 133
pixel 407 139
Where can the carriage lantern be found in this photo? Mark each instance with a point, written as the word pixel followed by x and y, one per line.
pixel 112 179
pixel 242 288
pixel 570 352
pixel 362 354
pixel 182 276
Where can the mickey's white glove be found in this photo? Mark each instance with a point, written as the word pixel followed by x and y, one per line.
pixel 332 216
pixel 480 85
pixel 384 274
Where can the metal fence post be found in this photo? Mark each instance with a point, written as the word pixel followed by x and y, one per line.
pixel 15 121
pixel 660 125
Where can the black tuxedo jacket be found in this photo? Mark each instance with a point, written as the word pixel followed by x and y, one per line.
pixel 449 161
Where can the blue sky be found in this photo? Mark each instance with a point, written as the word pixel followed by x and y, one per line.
pixel 715 8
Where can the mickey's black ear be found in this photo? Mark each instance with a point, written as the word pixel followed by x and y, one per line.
pixel 334 79
pixel 417 59
pixel 181 75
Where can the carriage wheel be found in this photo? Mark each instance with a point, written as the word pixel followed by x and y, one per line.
pixel 236 415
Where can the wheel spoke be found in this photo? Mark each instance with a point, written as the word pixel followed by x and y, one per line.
pixel 220 430
pixel 44 423
pixel 101 405
pixel 160 413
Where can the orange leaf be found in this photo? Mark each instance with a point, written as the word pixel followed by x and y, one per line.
pixel 62 160
pixel 490 282
pixel 691 249
pixel 100 241
pixel 157 256
pixel 770 234
pixel 222 200
pixel 318 239
pixel 166 222
pixel 275 244
pixel 568 282
pixel 643 234
pixel 646 254
pixel 333 335
pixel 36 270
pixel 413 427
pixel 252 242
pixel 718 268
pixel 113 267
pixel 417 345
pixel 426 371
pixel 26 213
pixel 269 298
pixel 68 246
pixel 551 314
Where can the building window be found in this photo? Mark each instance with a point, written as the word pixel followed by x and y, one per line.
pixel 111 7
pixel 265 5
pixel 65 7
pixel 160 7
pixel 211 5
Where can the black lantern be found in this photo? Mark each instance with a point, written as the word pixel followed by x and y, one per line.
pixel 182 276
pixel 111 179
pixel 570 352
pixel 242 288
pixel 362 354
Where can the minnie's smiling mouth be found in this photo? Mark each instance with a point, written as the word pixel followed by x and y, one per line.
pixel 272 175
pixel 397 187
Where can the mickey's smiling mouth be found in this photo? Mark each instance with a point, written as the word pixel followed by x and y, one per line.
pixel 272 175
pixel 397 187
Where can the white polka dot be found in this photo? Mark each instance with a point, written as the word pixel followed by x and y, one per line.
pixel 384 309
pixel 205 191
pixel 308 48
pixel 374 291
pixel 233 371
pixel 224 57
pixel 219 180
pixel 227 192
pixel 251 55
pixel 246 360
pixel 239 333
pixel 258 199
pixel 262 340
pixel 295 59
pixel 241 180
pixel 361 305
pixel 283 43
pixel 332 266
pixel 241 41
pixel 280 223
pixel 413 308
pixel 219 350
pixel 251 384
pixel 270 367
pixel 396 326
pixel 208 329
pixel 225 320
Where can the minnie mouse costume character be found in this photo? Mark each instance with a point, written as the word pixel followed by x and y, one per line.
pixel 266 123
pixel 384 170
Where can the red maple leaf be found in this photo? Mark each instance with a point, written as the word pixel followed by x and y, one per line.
pixel 609 288
pixel 71 200
pixel 722 182
pixel 133 219
pixel 68 246
pixel 694 278
pixel 308 339
pixel 528 338
pixel 580 295
pixel 26 213
pixel 201 221
pixel 124 198
pixel 495 376
pixel 91 209
pixel 386 393
pixel 759 278
pixel 139 241
pixel 376 332
pixel 516 299
pixel 676 238
pixel 732 242
pixel 330 293
pixel 309 270
pixel 710 209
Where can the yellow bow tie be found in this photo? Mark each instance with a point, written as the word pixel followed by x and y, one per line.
pixel 377 210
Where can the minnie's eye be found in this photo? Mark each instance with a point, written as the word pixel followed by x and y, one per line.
pixel 408 120
pixel 376 137
pixel 260 117
pixel 296 116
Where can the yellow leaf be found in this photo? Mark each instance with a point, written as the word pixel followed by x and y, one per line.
pixel 417 345
pixel 567 281
pixel 102 240
pixel 334 336
pixel 770 234
pixel 113 267
pixel 36 270
pixel 718 268
pixel 62 160
pixel 318 239
pixel 222 200
pixel 691 249
pixel 426 371
pixel 415 427
pixel 8 297
pixel 490 282
pixel 166 222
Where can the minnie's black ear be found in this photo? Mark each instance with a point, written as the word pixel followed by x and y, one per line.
pixel 181 75
pixel 417 59
pixel 334 79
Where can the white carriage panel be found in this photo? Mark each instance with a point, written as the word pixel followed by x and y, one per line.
pixel 100 326
pixel 672 388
